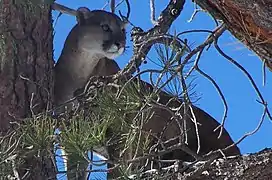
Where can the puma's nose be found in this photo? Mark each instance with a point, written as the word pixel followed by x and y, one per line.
pixel 119 44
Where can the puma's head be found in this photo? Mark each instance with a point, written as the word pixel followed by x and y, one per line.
pixel 99 32
pixel 96 39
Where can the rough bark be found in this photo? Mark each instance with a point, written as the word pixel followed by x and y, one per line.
pixel 26 59
pixel 248 20
pixel 25 70
pixel 250 167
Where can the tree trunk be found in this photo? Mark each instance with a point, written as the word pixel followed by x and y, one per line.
pixel 25 69
pixel 26 59
pixel 248 20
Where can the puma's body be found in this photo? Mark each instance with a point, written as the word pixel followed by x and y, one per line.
pixel 97 35
pixel 88 51
pixel 96 39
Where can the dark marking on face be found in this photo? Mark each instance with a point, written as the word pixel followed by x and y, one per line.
pixel 102 22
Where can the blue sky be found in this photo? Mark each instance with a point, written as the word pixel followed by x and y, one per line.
pixel 244 111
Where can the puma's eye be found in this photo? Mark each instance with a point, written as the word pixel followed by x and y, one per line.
pixel 124 31
pixel 105 27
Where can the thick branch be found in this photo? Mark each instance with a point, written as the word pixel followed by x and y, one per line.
pixel 254 166
pixel 141 48
pixel 248 20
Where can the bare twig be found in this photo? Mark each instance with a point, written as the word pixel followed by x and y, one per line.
pixel 252 132
pixel 168 15
pixel 196 10
pixel 126 18
pixel 159 153
pixel 196 67
pixel 105 5
pixel 152 12
pixel 264 72
pixel 64 9
pixel 247 75
pixel 112 5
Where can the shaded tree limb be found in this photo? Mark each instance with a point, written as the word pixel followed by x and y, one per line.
pixel 248 20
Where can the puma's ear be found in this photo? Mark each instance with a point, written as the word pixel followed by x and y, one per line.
pixel 82 15
pixel 125 24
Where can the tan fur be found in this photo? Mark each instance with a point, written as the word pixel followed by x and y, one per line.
pixel 85 45
pixel 97 38
pixel 77 64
